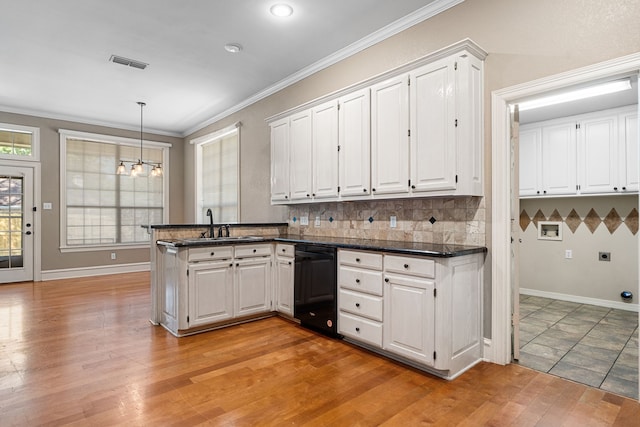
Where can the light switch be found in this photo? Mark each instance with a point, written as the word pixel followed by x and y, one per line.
pixel 47 206
pixel 317 223
pixel 392 222
pixel 304 220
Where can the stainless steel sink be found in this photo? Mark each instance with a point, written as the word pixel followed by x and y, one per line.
pixel 223 239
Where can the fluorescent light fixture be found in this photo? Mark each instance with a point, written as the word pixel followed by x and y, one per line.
pixel 281 10
pixel 575 95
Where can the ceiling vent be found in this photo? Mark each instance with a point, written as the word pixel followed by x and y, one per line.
pixel 128 62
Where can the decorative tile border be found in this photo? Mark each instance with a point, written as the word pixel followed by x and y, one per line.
pixel 612 221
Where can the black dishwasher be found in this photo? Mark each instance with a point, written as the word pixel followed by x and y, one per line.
pixel 315 284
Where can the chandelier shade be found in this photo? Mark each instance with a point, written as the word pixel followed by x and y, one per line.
pixel 137 168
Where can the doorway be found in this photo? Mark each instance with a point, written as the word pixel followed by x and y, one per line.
pixel 503 298
pixel 16 224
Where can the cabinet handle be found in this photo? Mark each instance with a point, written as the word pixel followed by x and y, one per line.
pixel 237 264
pixel 615 188
pixel 289 262
pixel 255 250
pixel 406 266
pixel 357 280
pixel 357 304
pixel 314 194
pixel 286 197
pixel 307 194
pixel 357 329
pixel 538 192
pixel 357 259
pixel 386 279
pixel 231 265
pixel 213 253
pixel 545 191
pixel 624 188
pixel 284 250
pixel 364 190
pixel 373 189
pixel 413 187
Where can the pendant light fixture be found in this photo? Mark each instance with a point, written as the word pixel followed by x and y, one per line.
pixel 138 168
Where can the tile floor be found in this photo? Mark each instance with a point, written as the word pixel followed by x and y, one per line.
pixel 593 345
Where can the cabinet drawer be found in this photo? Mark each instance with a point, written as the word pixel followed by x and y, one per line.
pixel 361 259
pixel 285 250
pixel 423 267
pixel 361 280
pixel 246 251
pixel 210 253
pixel 360 304
pixel 360 329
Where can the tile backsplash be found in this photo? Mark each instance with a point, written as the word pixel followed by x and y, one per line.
pixel 459 220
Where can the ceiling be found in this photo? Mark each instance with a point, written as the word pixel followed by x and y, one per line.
pixel 56 54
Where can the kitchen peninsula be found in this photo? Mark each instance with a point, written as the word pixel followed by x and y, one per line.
pixel 419 303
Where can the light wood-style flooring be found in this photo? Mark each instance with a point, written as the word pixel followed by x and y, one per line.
pixel 82 352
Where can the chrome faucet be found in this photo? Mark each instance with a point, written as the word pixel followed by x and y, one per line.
pixel 211 232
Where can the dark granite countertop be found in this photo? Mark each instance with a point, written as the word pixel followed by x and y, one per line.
pixel 179 226
pixel 406 248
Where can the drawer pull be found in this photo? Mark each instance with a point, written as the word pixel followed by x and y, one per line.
pixel 213 253
pixel 357 280
pixel 357 329
pixel 357 304
pixel 289 262
pixel 406 266
pixel 284 250
pixel 357 259
pixel 386 279
pixel 255 250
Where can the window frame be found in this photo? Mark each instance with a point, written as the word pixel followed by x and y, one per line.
pixel 35 142
pixel 198 144
pixel 115 140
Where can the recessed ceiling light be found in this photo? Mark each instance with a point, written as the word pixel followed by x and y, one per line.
pixel 281 10
pixel 233 47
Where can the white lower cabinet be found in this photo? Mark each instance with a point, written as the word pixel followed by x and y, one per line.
pixel 284 276
pixel 425 311
pixel 205 286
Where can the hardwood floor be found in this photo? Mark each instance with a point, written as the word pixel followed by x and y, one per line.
pixel 82 352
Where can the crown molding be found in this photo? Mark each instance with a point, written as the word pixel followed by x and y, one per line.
pixel 420 15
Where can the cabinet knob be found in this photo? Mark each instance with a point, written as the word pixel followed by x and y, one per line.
pixel 357 329
pixel 406 266
pixel 255 250
pixel 624 188
pixel 615 188
pixel 357 259
pixel 545 191
pixel 538 192
pixel 357 304
pixel 413 187
pixel 307 195
pixel 286 197
pixel 364 190
pixel 386 279
pixel 231 265
pixel 357 280
pixel 213 253
pixel 314 194
pixel 373 189
pixel 289 262
pixel 237 264
pixel 284 250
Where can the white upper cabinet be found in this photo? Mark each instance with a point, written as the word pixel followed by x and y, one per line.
pixel 324 119
pixel 433 139
pixel 300 140
pixel 594 153
pixel 355 143
pixel 628 151
pixel 530 152
pixel 280 160
pixel 414 131
pixel 598 155
pixel 559 158
pixel 389 136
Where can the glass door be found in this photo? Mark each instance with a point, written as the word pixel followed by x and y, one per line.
pixel 16 224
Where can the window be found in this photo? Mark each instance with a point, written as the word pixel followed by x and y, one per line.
pixel 103 209
pixel 217 175
pixel 19 142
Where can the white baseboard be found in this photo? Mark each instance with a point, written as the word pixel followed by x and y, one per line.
pixel 581 300
pixel 70 273
pixel 487 351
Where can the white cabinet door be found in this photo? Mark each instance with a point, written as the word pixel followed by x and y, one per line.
pixel 597 160
pixel 300 140
pixel 252 286
pixel 284 285
pixel 170 289
pixel 409 318
pixel 280 160
pixel 210 293
pixel 559 158
pixel 628 152
pixel 354 127
pixel 324 119
pixel 389 136
pixel 529 146
pixel 433 139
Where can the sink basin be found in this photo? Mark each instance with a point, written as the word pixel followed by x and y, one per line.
pixel 223 239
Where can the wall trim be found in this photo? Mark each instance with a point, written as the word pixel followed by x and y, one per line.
pixel 501 186
pixel 487 354
pixel 101 270
pixel 581 300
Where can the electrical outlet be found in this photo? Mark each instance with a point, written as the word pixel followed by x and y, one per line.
pixel 113 255
pixel 304 220
pixel 568 254
pixel 392 222
pixel 317 223
pixel 604 256
pixel 47 206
